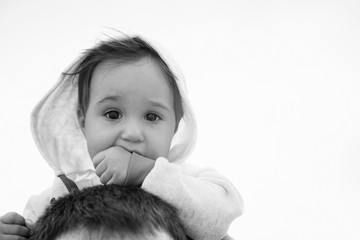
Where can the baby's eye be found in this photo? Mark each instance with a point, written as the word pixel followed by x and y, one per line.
pixel 152 117
pixel 113 115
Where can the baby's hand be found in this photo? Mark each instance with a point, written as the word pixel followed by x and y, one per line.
pixel 112 164
pixel 12 226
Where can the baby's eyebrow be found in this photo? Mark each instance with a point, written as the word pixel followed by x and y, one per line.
pixel 109 98
pixel 116 98
pixel 159 105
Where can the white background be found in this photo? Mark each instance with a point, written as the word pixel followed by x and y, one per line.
pixel 274 84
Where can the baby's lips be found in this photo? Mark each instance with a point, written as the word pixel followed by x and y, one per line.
pixel 137 152
pixel 132 150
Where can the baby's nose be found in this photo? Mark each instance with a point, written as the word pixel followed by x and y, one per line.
pixel 131 131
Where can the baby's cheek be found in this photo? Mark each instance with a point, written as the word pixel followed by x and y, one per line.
pixel 95 144
pixel 162 147
pixel 91 150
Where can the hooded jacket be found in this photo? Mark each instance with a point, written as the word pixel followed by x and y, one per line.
pixel 207 202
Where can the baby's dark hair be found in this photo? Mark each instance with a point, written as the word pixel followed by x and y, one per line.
pixel 112 210
pixel 122 50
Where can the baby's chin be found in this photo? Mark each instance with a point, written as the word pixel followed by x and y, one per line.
pixel 151 154
pixel 156 156
pixel 153 157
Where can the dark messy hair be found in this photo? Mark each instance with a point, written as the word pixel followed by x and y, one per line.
pixel 122 50
pixel 112 210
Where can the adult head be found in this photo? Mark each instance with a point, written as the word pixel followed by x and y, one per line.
pixel 109 212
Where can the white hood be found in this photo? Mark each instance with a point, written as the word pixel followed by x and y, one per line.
pixel 58 136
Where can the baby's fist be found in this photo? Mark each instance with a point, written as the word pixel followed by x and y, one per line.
pixel 111 165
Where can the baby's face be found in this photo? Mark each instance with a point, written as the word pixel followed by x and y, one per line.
pixel 131 106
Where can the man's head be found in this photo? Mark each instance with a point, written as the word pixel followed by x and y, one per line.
pixel 109 212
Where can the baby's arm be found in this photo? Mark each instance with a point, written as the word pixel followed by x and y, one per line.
pixel 207 201
pixel 12 226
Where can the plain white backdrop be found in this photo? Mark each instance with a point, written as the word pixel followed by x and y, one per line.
pixel 275 86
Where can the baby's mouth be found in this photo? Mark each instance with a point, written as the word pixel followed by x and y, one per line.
pixel 136 152
pixel 133 151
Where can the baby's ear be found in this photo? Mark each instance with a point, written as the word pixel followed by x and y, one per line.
pixel 81 119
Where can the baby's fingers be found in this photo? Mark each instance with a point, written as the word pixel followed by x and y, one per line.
pixel 100 169
pixel 12 231
pixel 98 158
pixel 105 178
pixel 116 180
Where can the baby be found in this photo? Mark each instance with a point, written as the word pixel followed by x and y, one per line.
pixel 120 115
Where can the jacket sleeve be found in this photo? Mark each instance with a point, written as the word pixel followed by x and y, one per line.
pixel 207 202
pixel 35 207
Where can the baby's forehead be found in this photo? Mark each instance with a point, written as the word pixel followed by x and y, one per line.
pixel 136 81
pixel 129 72
pixel 119 68
pixel 110 64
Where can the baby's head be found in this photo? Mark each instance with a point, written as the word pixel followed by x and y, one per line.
pixel 109 212
pixel 127 97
